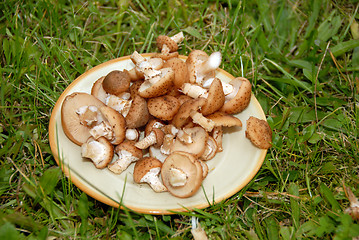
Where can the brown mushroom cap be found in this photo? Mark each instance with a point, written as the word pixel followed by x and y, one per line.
pixel 129 146
pixel 71 123
pixel 98 91
pixel 210 149
pixel 259 132
pixel 236 104
pixel 143 166
pixel 138 114
pixel 117 122
pixel 180 69
pixel 116 82
pixel 187 164
pixel 161 87
pixel 224 120
pixel 163 107
pixel 100 151
pixel 215 98
pixel 163 39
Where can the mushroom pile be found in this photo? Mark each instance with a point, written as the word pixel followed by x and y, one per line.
pixel 165 115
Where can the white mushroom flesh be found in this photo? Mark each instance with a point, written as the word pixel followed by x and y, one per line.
pixel 177 177
pixel 119 104
pixel 194 90
pixel 201 120
pixel 177 38
pixel 151 177
pixel 132 134
pixel 184 137
pixel 125 158
pixel 236 85
pixel 94 150
pixel 227 88
pixel 149 140
pixel 89 115
pixel 102 130
pixel 211 64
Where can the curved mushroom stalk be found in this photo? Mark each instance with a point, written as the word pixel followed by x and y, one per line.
pixel 154 138
pixel 147 170
pixel 89 116
pixel 100 151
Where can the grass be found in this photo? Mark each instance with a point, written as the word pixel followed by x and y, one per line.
pixel 302 58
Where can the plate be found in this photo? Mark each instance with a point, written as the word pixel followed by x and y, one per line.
pixel 229 171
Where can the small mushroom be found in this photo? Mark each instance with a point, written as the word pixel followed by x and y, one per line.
pixel 163 107
pixel 100 151
pixel 215 98
pixel 147 170
pixel 117 123
pixel 116 82
pixel 183 115
pixel 182 174
pixel 239 99
pixel 168 46
pixel 201 66
pixel 138 114
pixel 127 153
pixel 157 85
pixel 224 120
pixel 259 132
pixel 180 71
pixel 132 134
pixel 71 121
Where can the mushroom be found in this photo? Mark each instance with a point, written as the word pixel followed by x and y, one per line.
pixel 121 103
pixel 155 138
pixel 138 114
pixel 73 125
pixel 168 45
pixel 210 149
pixel 201 120
pixel 259 132
pixel 147 170
pixel 239 99
pixel 132 134
pixel 116 82
pixel 163 107
pixel 116 122
pixel 157 85
pixel 201 66
pixel 182 174
pixel 127 153
pixel 180 71
pixel 183 115
pixel 224 120
pixel 215 98
pixel 217 134
pixel 100 151
pixel 197 146
pixel 136 73
pixel 98 91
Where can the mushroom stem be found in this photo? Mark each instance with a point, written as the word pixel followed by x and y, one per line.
pixel 178 178
pixel 125 158
pixel 147 141
pixel 204 122
pixel 197 231
pixel 93 150
pixel 194 90
pixel 178 37
pixel 119 104
pixel 151 177
pixel 211 64
pixel 102 130
pixel 136 57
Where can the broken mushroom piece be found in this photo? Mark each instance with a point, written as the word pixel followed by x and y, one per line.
pixel 239 99
pixel 155 138
pixel 100 151
pixel 210 149
pixel 72 122
pixel 182 174
pixel 259 132
pixel 117 123
pixel 127 153
pixel 147 170
pixel 98 91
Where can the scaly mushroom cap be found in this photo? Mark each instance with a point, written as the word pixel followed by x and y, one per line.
pixel 259 133
pixel 161 87
pixel 182 174
pixel 116 82
pixel 163 107
pixel 180 69
pixel 134 88
pixel 239 99
pixel 138 114
pixel 100 151
pixel 71 123
pixel 215 99
pixel 117 122
pixel 98 91
pixel 165 40
pixel 224 120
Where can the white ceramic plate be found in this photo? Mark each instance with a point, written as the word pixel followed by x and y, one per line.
pixel 229 171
